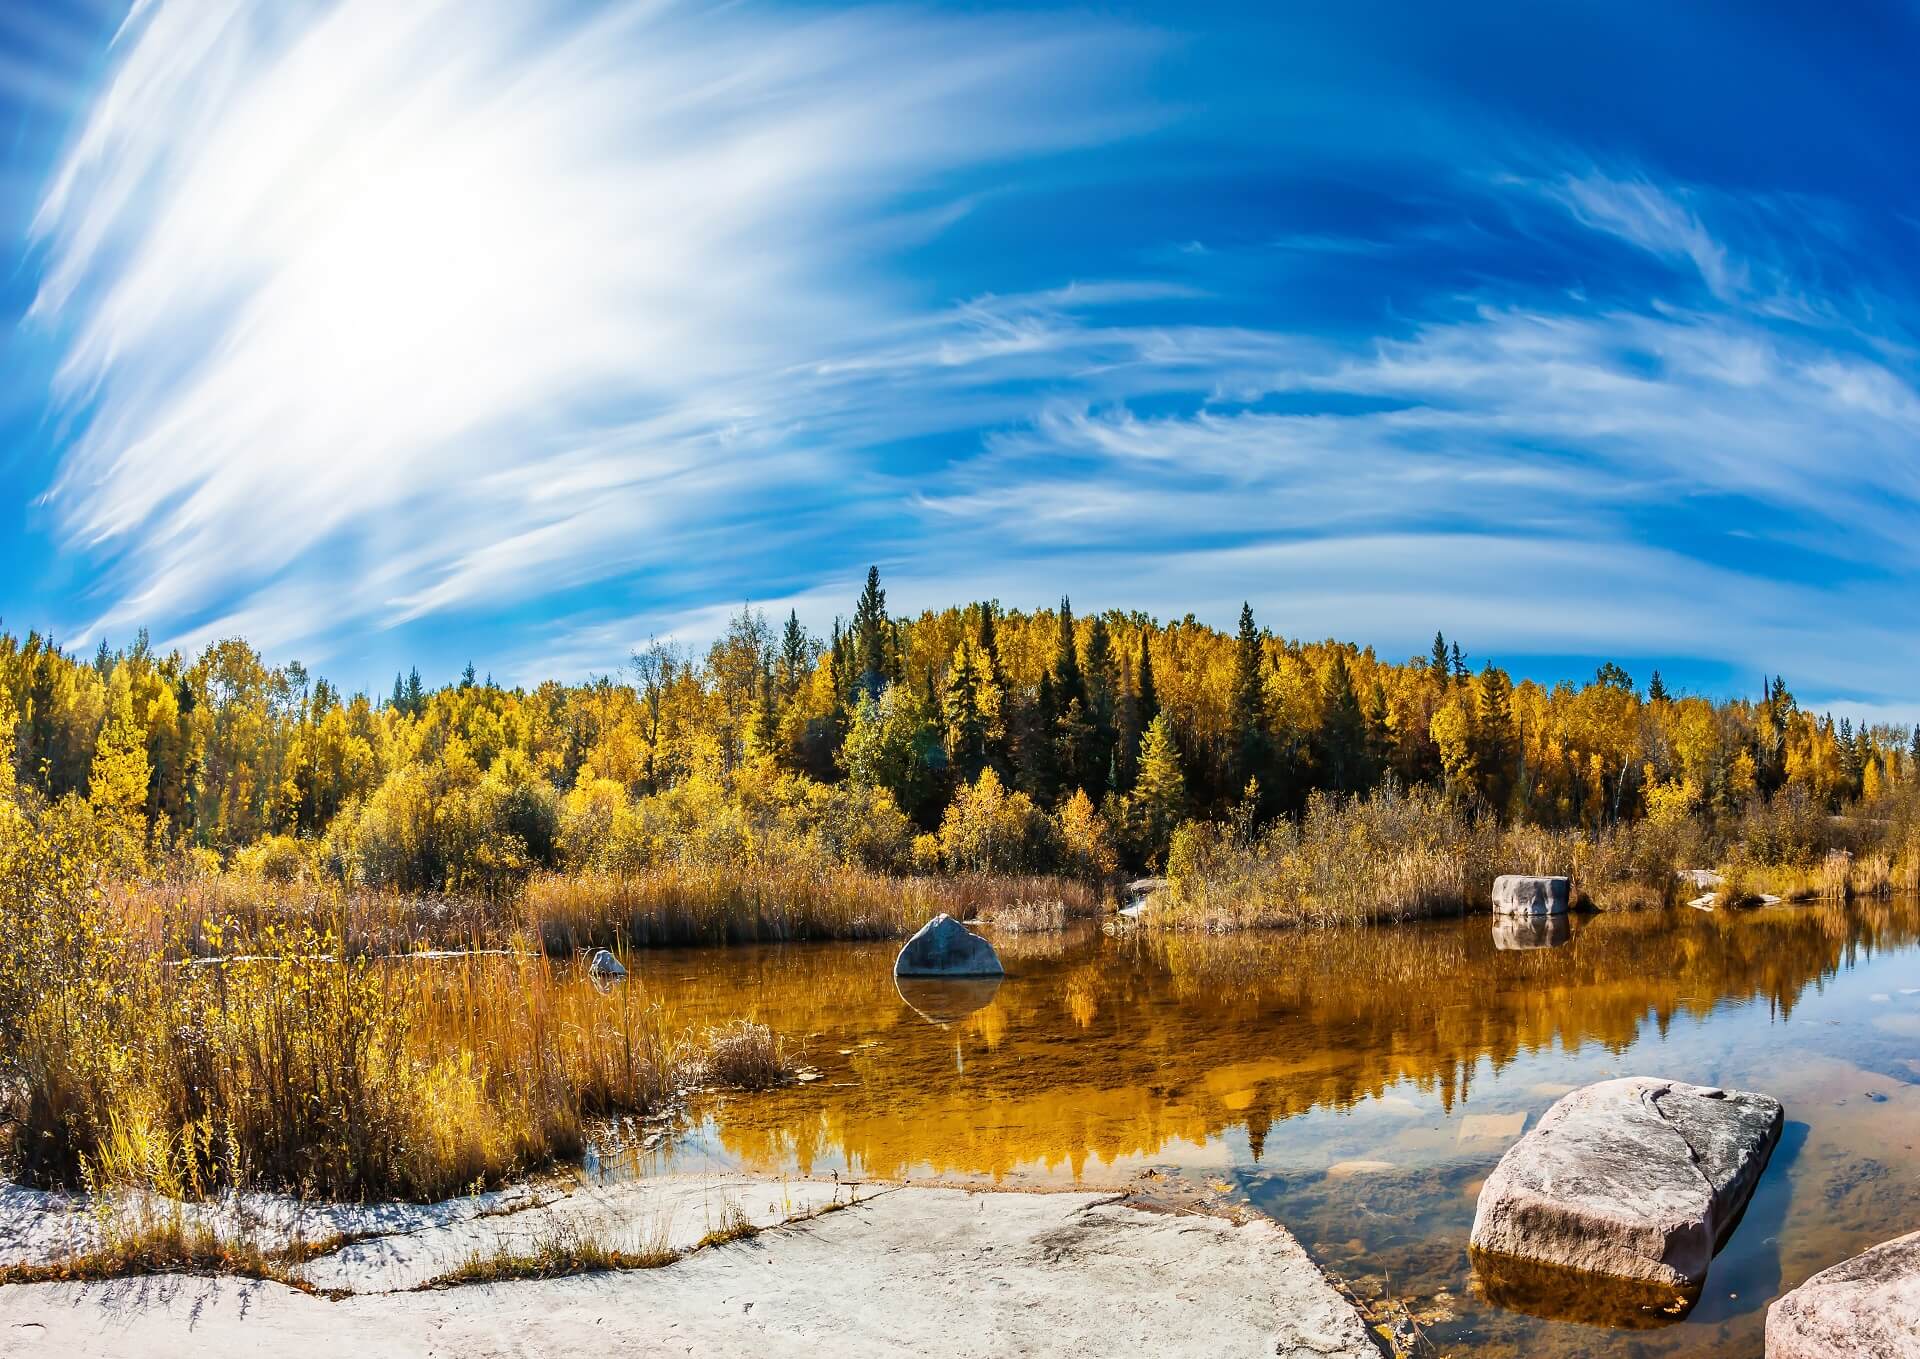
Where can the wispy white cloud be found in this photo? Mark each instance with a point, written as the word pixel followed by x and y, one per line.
pixel 513 286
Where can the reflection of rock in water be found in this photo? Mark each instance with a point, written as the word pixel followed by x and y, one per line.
pixel 1536 931
pixel 1544 1290
pixel 944 1000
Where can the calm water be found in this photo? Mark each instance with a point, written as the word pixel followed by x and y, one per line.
pixel 1357 1085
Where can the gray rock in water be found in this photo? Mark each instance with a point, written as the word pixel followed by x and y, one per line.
pixel 1634 1180
pixel 946 948
pixel 1866 1306
pixel 1517 894
pixel 605 965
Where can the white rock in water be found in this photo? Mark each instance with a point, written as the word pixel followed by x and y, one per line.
pixel 946 948
pixel 1636 1180
pixel 604 964
pixel 1866 1306
pixel 1518 894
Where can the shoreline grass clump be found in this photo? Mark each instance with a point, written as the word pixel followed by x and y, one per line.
pixel 744 1055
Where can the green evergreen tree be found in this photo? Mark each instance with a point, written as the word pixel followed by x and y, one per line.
pixel 1657 690
pixel 796 656
pixel 1345 763
pixel 1246 725
pixel 873 640
pixel 1494 738
pixel 1159 798
pixel 1438 666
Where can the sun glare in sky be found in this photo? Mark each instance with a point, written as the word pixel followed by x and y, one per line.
pixel 389 333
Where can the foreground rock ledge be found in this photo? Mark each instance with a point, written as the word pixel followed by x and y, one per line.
pixel 1864 1308
pixel 908 1271
pixel 1633 1182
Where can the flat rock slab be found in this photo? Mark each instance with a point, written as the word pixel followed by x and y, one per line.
pixel 944 947
pixel 1521 894
pixel 909 1272
pixel 38 1227
pixel 1634 1180
pixel 672 1211
pixel 1864 1308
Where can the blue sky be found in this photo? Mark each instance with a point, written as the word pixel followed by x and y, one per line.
pixel 412 334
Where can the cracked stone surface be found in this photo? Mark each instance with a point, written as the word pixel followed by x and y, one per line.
pixel 1864 1308
pixel 912 1271
pixel 1634 1179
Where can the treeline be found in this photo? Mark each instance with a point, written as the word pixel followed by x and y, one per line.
pixel 974 738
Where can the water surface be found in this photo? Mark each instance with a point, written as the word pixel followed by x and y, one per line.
pixel 1358 1085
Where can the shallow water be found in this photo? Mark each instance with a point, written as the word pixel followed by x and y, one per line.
pixel 1357 1085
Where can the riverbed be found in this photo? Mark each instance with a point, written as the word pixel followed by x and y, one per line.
pixel 1356 1085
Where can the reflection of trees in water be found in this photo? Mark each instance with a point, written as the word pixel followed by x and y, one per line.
pixel 1109 1048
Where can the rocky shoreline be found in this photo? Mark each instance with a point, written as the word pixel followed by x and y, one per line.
pixel 764 1267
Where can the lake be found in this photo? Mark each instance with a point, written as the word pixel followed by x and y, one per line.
pixel 1357 1085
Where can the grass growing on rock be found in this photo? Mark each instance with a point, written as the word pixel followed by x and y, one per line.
pixel 565 1250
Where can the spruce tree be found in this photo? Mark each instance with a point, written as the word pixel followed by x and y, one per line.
pixel 1657 690
pixel 1069 685
pixel 873 637
pixel 1159 797
pixel 1459 665
pixel 1342 745
pixel 416 696
pixel 1245 726
pixel 966 727
pixel 1438 666
pixel 796 653
pixel 1149 699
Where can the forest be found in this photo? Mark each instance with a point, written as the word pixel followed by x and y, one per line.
pixel 974 739
pixel 255 931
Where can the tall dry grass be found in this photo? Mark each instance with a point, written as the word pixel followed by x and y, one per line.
pixel 1393 855
pixel 676 904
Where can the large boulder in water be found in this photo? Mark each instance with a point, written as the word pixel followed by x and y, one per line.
pixel 1519 894
pixel 1866 1306
pixel 946 948
pixel 1623 1190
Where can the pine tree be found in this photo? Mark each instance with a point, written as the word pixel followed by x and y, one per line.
pixel 796 655
pixel 873 640
pixel 1657 690
pixel 1103 686
pixel 1494 737
pixel 1069 685
pixel 1342 746
pixel 1438 666
pixel 966 726
pixel 1459 665
pixel 1245 724
pixel 1149 699
pixel 399 700
pixel 467 678
pixel 416 697
pixel 1159 798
